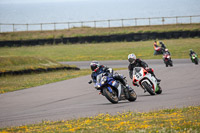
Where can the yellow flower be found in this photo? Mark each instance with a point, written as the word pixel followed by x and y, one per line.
pixel 72 130
pixel 87 121
pixel 4 132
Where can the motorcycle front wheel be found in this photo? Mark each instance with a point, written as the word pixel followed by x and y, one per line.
pixel 171 63
pixel 132 96
pixel 148 88
pixel 196 61
pixel 160 90
pixel 112 97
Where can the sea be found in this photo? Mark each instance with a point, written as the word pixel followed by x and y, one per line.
pixel 48 12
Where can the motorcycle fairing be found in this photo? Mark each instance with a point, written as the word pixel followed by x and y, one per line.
pixel 111 83
pixel 140 75
pixel 194 56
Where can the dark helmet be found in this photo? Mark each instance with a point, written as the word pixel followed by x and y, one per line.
pixel 191 50
pixel 94 65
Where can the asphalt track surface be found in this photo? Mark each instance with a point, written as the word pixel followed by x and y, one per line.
pixel 76 98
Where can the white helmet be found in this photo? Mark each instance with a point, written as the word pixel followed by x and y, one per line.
pixel 166 50
pixel 131 58
pixel 94 65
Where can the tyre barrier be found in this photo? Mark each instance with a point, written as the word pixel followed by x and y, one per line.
pixel 105 38
pixel 38 70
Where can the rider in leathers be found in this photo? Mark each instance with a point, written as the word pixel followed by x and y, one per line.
pixel 134 62
pixel 98 69
pixel 191 53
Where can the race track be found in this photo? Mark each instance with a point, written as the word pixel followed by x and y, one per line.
pixel 75 98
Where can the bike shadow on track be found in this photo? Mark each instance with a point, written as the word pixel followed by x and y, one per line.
pixel 119 103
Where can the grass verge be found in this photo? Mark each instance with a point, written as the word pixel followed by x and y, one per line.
pixel 184 120
pixel 87 31
pixel 10 83
pixel 179 48
pixel 19 63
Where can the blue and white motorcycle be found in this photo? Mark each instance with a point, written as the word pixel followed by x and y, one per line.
pixel 114 89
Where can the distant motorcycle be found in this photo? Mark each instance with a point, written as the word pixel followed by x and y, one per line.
pixel 167 59
pixel 107 88
pixel 146 81
pixel 195 59
pixel 160 50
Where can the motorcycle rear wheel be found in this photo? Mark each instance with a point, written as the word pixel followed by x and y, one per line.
pixel 148 88
pixel 112 97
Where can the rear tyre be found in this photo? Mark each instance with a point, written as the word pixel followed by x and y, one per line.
pixel 112 97
pixel 132 96
pixel 148 88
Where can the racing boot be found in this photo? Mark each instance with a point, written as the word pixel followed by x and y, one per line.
pixel 129 88
pixel 158 80
pixel 126 91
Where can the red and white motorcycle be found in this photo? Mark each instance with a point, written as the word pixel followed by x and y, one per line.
pixel 167 59
pixel 145 80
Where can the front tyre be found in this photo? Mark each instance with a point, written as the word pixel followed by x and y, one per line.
pixel 171 63
pixel 112 97
pixel 159 90
pixel 148 88
pixel 166 63
pixel 196 61
pixel 132 96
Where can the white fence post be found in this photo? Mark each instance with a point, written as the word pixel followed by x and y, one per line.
pixel 26 27
pixel 54 26
pixel 108 23
pixel 68 25
pixel 41 26
pixel 122 22
pixel 163 20
pixel 135 21
pixel 149 21
pixel 13 27
pixel 94 24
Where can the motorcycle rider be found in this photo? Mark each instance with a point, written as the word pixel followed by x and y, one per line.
pixel 167 52
pixel 162 45
pixel 134 62
pixel 98 69
pixel 156 47
pixel 167 59
pixel 191 53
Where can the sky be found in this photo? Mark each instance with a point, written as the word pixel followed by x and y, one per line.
pixel 34 1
